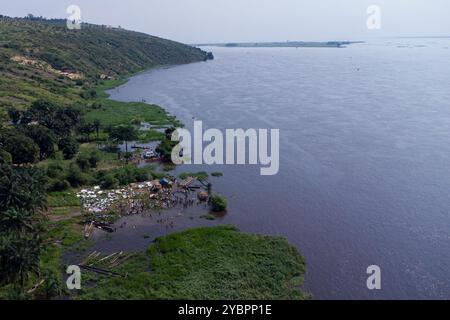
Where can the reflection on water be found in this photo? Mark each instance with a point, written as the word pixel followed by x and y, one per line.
pixel 364 168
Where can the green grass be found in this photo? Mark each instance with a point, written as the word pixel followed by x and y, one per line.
pixel 151 135
pixel 107 85
pixel 61 237
pixel 199 175
pixel 114 113
pixel 108 160
pixel 19 90
pixel 63 199
pixel 208 263
pixel 62 211
pixel 68 232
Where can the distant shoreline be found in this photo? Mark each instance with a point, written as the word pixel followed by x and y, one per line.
pixel 288 44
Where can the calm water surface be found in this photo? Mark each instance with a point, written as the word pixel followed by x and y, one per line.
pixel 364 158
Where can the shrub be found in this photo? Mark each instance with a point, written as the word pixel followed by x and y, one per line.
pixel 109 182
pixel 5 157
pixel 217 174
pixel 124 176
pixel 164 149
pixel 131 174
pixel 55 170
pixel 218 203
pixel 75 176
pixel 89 94
pixel 89 160
pixel 128 156
pixel 94 158
pixel 59 185
pixel 83 162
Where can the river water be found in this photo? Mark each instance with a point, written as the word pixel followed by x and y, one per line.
pixel 364 155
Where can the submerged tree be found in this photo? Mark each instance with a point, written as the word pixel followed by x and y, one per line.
pixel 123 133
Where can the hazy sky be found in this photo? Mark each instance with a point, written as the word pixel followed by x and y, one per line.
pixel 197 21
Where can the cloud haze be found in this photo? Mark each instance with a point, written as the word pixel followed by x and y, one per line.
pixel 195 21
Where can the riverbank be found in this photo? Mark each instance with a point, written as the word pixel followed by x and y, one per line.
pixel 74 233
pixel 153 226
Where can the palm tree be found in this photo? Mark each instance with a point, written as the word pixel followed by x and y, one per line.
pixel 22 199
pixel 52 285
pixel 16 219
pixel 22 187
pixel 19 256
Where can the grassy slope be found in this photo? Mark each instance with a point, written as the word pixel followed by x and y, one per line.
pixel 91 51
pixel 208 263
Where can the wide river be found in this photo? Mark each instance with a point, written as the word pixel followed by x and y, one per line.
pixel 364 155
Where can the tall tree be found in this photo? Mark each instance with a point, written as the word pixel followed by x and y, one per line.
pixel 86 128
pixel 22 199
pixel 61 120
pixel 15 115
pixel 97 125
pixel 22 149
pixel 69 147
pixel 22 188
pixel 43 137
pixel 124 133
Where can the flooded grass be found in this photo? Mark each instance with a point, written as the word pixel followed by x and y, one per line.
pixel 206 263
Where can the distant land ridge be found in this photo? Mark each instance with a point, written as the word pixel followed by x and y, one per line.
pixel 287 44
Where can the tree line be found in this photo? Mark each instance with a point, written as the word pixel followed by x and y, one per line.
pixel 31 136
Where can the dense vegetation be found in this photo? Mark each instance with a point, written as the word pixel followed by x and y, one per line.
pixel 22 204
pixel 208 263
pixel 43 59
pixel 52 106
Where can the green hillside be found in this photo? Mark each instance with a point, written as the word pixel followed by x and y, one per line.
pixel 42 58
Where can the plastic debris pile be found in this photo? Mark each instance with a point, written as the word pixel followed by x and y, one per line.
pixel 103 207
pixel 97 201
